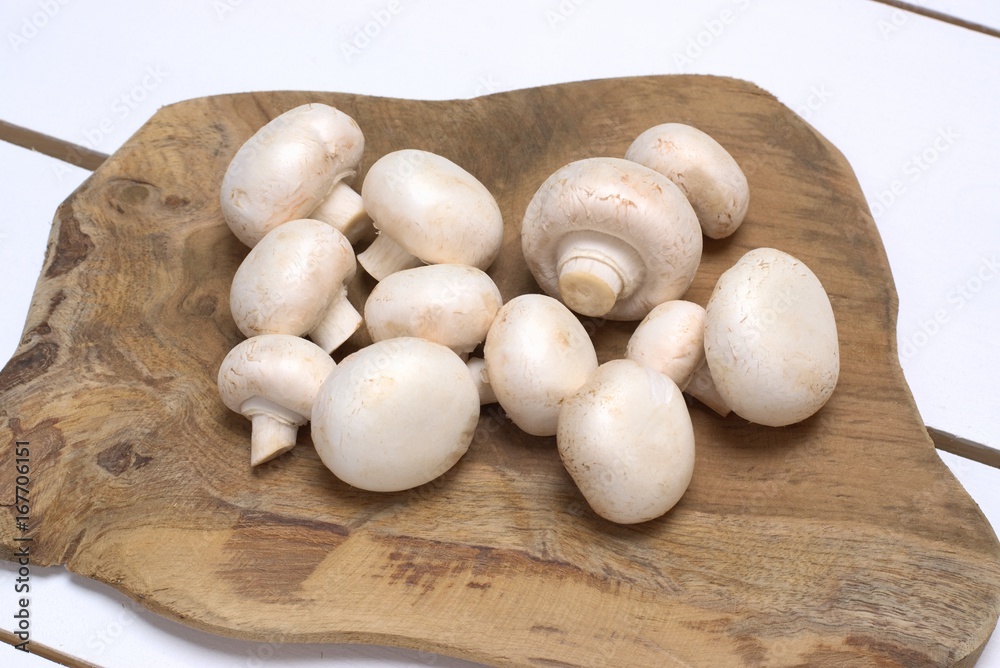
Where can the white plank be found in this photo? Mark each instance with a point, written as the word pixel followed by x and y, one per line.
pixel 983 12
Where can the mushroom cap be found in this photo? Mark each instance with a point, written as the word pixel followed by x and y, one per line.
pixel 537 353
pixel 628 202
pixel 705 171
pixel 433 209
pixel 450 304
pixel 395 414
pixel 671 340
pixel 287 282
pixel 287 167
pixel 283 369
pixel 771 339
pixel 626 439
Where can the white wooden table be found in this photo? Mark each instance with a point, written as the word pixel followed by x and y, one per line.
pixel 912 101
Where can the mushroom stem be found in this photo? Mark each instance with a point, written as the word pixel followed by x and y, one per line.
pixel 702 387
pixel 269 438
pixel 477 367
pixel 340 321
pixel 273 429
pixel 343 210
pixel 595 269
pixel 384 256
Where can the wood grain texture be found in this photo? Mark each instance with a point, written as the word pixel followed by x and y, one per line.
pixel 840 541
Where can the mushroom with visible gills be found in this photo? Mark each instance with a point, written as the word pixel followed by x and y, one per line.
pixel 705 171
pixel 612 238
pixel 771 339
pixel 298 165
pixel 537 354
pixel 395 414
pixel 626 439
pixel 273 379
pixel 428 210
pixel 294 282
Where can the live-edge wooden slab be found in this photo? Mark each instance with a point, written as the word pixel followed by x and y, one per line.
pixel 840 541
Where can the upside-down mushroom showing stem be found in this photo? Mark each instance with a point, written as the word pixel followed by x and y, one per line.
pixel 611 238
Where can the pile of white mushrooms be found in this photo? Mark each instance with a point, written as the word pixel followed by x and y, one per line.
pixel 613 238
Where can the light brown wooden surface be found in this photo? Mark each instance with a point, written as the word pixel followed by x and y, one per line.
pixel 839 541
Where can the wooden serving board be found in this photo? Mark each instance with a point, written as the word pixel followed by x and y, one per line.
pixel 839 541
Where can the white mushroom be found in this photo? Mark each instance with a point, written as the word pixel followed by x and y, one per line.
pixel 626 439
pixel 671 340
pixel 343 210
pixel 771 339
pixel 477 369
pixel 395 414
pixel 537 353
pixel 702 387
pixel 272 380
pixel 611 238
pixel 450 304
pixel 300 162
pixel 428 210
pixel 707 174
pixel 294 282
